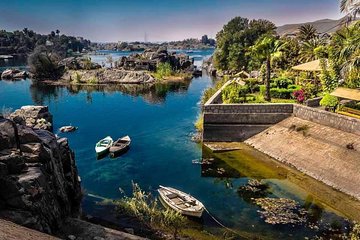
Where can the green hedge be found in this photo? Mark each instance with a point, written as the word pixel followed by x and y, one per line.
pixel 284 93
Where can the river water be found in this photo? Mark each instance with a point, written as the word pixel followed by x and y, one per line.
pixel 159 119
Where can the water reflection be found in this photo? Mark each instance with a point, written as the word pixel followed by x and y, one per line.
pixel 152 93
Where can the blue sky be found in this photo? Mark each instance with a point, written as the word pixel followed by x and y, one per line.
pixel 161 20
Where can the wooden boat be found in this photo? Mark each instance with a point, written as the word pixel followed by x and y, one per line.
pixel 181 202
pixel 67 129
pixel 103 145
pixel 120 146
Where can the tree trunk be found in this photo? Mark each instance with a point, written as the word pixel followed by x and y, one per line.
pixel 268 69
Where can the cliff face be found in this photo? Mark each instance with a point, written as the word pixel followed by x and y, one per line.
pixel 38 176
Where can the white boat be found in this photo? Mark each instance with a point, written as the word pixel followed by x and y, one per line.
pixel 181 202
pixel 103 145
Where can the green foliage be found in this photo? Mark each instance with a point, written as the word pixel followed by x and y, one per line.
pixel 87 63
pixel 208 93
pixel 163 70
pixel 93 80
pixel 43 64
pixel 252 84
pixel 329 101
pixel 77 77
pixel 355 233
pixel 307 32
pixel 234 93
pixel 282 82
pixel 199 124
pixel 328 81
pixel 234 40
pixel 282 93
pixel 146 208
pixel 25 42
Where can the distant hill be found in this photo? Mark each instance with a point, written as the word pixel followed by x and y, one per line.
pixel 322 26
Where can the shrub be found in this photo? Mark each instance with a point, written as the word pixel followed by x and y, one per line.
pixel 299 95
pixel 147 210
pixel 208 93
pixel 253 84
pixel 234 93
pixel 282 82
pixel 163 70
pixel 44 64
pixel 329 102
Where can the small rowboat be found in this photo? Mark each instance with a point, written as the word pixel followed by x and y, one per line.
pixel 103 145
pixel 120 146
pixel 67 129
pixel 181 202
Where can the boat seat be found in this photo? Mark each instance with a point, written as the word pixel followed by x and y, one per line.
pixel 177 201
pixel 172 195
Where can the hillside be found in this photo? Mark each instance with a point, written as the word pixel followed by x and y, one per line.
pixel 322 26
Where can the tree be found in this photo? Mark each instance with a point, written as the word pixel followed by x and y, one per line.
pixel 43 64
pixel 307 32
pixel 57 32
pixel 344 54
pixel 234 40
pixel 307 49
pixel 351 8
pixel 265 50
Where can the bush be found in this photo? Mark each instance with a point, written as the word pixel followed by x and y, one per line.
pixel 208 93
pixel 299 95
pixel 234 93
pixel 253 84
pixel 329 102
pixel 163 70
pixel 147 210
pixel 282 82
pixel 44 64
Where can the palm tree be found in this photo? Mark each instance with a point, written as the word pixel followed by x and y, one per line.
pixel 307 49
pixel 307 32
pixel 265 50
pixel 351 8
pixel 346 48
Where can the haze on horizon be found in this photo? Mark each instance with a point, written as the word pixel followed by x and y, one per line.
pixel 160 20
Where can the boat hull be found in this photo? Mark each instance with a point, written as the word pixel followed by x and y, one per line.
pixel 167 203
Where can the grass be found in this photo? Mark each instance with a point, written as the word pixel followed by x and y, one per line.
pixel 199 124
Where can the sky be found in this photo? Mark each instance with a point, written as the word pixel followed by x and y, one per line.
pixel 159 20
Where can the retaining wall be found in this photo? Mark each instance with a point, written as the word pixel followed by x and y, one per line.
pixel 238 122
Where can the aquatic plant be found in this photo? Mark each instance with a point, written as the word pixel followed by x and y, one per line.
pixel 148 211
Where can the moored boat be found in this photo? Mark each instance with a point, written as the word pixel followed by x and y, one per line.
pixel 103 145
pixel 120 146
pixel 181 202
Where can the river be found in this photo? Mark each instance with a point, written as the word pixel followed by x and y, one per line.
pixel 159 121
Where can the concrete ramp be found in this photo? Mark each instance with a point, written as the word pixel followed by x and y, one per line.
pixel 321 152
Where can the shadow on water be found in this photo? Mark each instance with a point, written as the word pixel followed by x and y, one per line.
pixel 155 93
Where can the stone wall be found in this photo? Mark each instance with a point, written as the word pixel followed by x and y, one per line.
pixel 337 121
pixel 238 122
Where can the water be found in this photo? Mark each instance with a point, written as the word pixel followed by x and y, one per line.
pixel 159 120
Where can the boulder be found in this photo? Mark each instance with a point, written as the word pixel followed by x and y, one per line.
pixel 37 117
pixel 39 182
pixel 14 74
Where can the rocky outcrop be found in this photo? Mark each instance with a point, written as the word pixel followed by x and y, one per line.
pixel 105 76
pixel 14 74
pixel 38 176
pixel 78 63
pixel 209 67
pixel 37 117
pixel 150 58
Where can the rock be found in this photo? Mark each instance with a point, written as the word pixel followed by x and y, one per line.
pixel 14 74
pixel 37 117
pixel 78 63
pixel 39 186
pixel 7 134
pixel 71 237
